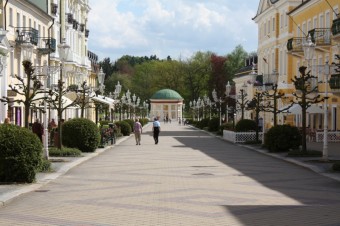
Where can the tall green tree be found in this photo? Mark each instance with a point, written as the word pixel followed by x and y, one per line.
pixel 235 61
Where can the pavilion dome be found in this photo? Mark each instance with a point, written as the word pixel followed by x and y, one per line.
pixel 166 94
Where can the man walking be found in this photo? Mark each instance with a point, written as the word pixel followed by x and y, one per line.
pixel 156 128
pixel 38 129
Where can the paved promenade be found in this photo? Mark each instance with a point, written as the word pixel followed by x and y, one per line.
pixel 189 178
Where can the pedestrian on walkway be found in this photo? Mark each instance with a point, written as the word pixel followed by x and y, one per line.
pixel 137 129
pixel 156 128
pixel 38 129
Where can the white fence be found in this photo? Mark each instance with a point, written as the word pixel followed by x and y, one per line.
pixel 240 137
pixel 333 136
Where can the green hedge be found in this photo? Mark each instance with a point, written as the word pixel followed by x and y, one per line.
pixel 81 133
pixel 245 125
pixel 20 154
pixel 282 138
pixel 131 122
pixel 124 127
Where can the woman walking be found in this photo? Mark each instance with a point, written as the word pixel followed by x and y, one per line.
pixel 137 129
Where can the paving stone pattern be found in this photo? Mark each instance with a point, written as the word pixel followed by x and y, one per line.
pixel 189 178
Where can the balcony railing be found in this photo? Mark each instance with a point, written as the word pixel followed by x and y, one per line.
pixel 336 27
pixel 295 44
pixel 26 35
pixel 334 82
pixel 69 18
pixel 54 9
pixel 320 36
pixel 46 45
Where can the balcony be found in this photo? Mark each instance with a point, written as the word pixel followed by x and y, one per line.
pixel 294 46
pixel 69 18
pixel 26 35
pixel 322 38
pixel 334 83
pixel 54 9
pixel 336 30
pixel 46 45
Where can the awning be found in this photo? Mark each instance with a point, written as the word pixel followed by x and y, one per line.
pixel 38 101
pixel 102 100
pixel 296 109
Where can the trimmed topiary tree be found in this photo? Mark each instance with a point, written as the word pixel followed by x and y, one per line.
pixel 20 154
pixel 125 127
pixel 214 125
pixel 281 138
pixel 81 133
pixel 245 125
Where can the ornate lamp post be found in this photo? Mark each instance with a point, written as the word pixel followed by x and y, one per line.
pixel 325 120
pixel 63 50
pixel 218 100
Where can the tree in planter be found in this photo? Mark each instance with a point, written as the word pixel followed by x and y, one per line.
pixel 273 96
pixel 28 88
pixel 57 102
pixel 255 104
pixel 242 102
pixel 305 96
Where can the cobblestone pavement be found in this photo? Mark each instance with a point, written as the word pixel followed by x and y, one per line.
pixel 189 178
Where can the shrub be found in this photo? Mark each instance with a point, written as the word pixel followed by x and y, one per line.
pixel 20 154
pixel 64 152
pixel 336 166
pixel 104 122
pixel 131 122
pixel 228 126
pixel 81 133
pixel 44 166
pixel 282 138
pixel 214 124
pixel 143 121
pixel 124 127
pixel 245 125
pixel 203 123
pixel 299 153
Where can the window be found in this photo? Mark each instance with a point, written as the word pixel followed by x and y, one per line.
pixel 328 21
pixel 304 29
pixel 309 25
pixel 321 21
pixel 18 19
pixel 10 17
pixel 286 19
pixel 29 22
pixel 281 20
pixel 35 25
pixel 268 26
pixel 315 22
pixel 336 11
pixel 273 24
pixel 24 21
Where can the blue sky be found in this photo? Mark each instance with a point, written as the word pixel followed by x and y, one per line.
pixel 176 28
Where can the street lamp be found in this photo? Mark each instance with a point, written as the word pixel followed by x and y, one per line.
pixel 325 120
pixel 217 100
pixel 63 50
pixel 227 93
pixel 101 78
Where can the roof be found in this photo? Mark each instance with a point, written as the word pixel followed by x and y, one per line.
pixel 167 94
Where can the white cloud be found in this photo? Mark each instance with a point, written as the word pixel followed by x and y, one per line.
pixel 176 28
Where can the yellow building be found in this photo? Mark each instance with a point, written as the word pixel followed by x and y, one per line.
pixel 283 27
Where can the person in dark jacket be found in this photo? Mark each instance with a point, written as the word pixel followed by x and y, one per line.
pixel 38 129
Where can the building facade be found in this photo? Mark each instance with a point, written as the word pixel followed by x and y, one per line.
pixel 45 25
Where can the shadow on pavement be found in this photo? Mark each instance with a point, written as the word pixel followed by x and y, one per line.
pixel 305 187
